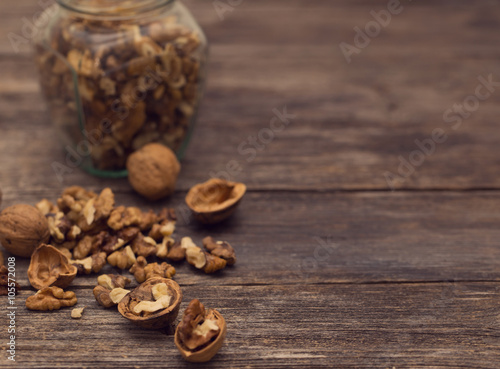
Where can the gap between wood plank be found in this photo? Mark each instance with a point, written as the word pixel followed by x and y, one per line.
pixel 347 283
pixel 306 190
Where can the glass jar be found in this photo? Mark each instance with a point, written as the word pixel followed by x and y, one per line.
pixel 119 74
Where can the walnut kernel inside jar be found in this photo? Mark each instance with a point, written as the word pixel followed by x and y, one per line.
pixel 118 75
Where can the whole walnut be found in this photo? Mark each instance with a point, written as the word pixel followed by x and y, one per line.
pixel 153 171
pixel 22 229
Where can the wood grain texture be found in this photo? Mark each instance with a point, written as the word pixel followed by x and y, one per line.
pixel 362 326
pixel 359 306
pixel 353 121
pixel 334 270
pixel 289 238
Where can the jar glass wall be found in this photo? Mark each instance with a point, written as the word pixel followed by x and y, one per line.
pixel 120 74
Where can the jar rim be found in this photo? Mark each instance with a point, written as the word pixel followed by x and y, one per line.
pixel 112 8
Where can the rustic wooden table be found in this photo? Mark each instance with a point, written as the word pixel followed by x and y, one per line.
pixel 334 269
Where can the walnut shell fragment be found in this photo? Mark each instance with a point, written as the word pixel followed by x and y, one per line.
pixel 156 317
pixel 49 267
pixel 215 200
pixel 51 298
pixel 22 229
pixel 153 171
pixel 200 334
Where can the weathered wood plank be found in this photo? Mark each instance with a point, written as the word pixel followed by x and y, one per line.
pixel 302 22
pixel 362 326
pixel 353 122
pixel 290 302
pixel 329 146
pixel 289 238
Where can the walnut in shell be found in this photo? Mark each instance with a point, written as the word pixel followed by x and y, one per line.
pixel 154 304
pixel 215 200
pixel 22 229
pixel 49 267
pixel 153 171
pixel 200 334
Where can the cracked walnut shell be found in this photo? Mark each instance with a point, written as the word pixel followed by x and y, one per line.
pixel 215 200
pixel 200 334
pixel 22 229
pixel 153 171
pixel 49 267
pixel 158 317
pixel 51 298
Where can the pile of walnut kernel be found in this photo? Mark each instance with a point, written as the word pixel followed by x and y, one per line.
pixel 83 231
pixel 138 83
pixel 90 231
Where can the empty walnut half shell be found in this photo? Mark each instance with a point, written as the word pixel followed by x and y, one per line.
pixel 154 304
pixel 200 334
pixel 49 267
pixel 215 200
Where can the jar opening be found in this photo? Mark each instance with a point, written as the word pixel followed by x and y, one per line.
pixel 113 8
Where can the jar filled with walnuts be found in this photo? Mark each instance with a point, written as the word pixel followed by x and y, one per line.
pixel 120 74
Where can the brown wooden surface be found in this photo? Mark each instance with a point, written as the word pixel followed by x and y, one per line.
pixel 408 278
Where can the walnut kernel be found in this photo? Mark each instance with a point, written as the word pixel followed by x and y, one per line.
pixel 122 259
pixel 51 298
pixel 77 313
pixel 111 281
pixel 221 249
pixel 117 294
